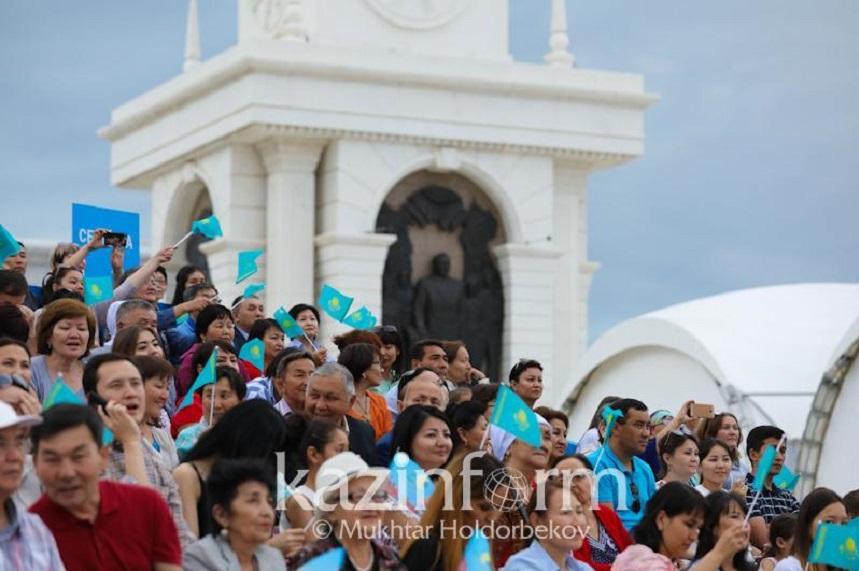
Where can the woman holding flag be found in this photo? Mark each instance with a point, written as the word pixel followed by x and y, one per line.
pixel 469 511
pixel 822 506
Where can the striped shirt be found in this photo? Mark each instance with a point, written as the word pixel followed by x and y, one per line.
pixel 773 502
pixel 26 543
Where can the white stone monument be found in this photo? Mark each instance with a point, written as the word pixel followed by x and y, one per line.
pixel 296 136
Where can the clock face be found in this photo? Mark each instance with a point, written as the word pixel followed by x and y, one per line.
pixel 418 14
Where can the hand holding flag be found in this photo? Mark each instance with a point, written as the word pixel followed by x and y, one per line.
pixel 411 486
pixel 836 545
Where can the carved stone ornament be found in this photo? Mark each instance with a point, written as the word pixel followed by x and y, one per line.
pixel 471 310
pixel 280 19
pixel 418 14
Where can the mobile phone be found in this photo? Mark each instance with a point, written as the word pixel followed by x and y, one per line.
pixel 96 400
pixel 115 239
pixel 703 410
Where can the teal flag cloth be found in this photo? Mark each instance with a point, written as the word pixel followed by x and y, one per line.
pixel 331 560
pixel 253 352
pixel 206 377
pixel 411 486
pixel 786 479
pixel 248 264
pixel 182 319
pixel 360 319
pixel 61 394
pixel 8 244
pixel 97 289
pixel 209 227
pixel 513 415
pixel 287 322
pixel 836 545
pixel 334 303
pixel 253 289
pixel 478 554
pixel 765 465
pixel 610 416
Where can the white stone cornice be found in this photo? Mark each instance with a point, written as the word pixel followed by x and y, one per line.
pixel 370 239
pixel 510 80
pixel 540 252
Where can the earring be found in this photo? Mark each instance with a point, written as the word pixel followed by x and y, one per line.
pixel 224 532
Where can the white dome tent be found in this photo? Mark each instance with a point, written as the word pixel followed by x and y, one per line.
pixel 759 353
pixel 826 455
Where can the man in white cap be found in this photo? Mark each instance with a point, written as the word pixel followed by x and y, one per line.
pixel 25 542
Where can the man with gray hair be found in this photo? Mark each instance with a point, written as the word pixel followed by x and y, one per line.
pixel 330 395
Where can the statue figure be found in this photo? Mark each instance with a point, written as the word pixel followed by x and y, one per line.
pixel 438 303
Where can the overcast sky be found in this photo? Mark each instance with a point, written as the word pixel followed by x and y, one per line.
pixel 749 173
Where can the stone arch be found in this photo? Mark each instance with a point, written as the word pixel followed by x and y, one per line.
pixel 468 169
pixel 191 199
pixel 434 213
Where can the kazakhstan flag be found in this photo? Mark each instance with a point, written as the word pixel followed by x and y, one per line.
pixel 208 227
pixel 287 323
pixel 248 264
pixel 478 555
pixel 513 415
pixel 360 319
pixel 254 353
pixel 61 393
pixel 8 244
pixel 206 377
pixel 334 303
pixel 98 289
pixel 836 545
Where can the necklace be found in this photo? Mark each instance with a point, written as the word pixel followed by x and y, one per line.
pixel 367 567
pixel 363 409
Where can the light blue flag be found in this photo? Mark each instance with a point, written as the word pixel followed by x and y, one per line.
pixel 836 545
pixel 610 416
pixel 8 244
pixel 253 289
pixel 97 289
pixel 331 560
pixel 61 393
pixel 209 227
pixel 478 554
pixel 334 303
pixel 248 264
pixel 410 484
pixel 786 479
pixel 182 319
pixel 287 322
pixel 765 465
pixel 253 352
pixel 360 319
pixel 206 377
pixel 513 415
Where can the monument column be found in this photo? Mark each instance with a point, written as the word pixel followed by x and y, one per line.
pixel 353 263
pixel 290 219
pixel 528 273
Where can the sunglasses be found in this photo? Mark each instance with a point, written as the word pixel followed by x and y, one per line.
pixel 386 329
pixel 636 501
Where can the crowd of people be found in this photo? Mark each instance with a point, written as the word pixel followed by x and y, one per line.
pixel 114 457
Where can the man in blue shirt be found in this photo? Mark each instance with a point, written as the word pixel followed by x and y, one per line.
pixel 183 336
pixel 625 482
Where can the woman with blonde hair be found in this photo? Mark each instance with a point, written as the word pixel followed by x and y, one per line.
pixel 442 549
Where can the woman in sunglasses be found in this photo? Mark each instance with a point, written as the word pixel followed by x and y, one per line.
pixel 605 535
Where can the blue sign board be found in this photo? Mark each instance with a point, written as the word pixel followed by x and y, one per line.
pixel 87 219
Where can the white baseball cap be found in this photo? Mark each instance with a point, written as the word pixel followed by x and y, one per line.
pixel 341 469
pixel 10 418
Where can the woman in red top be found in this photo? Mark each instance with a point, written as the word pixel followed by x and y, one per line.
pixel 606 536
